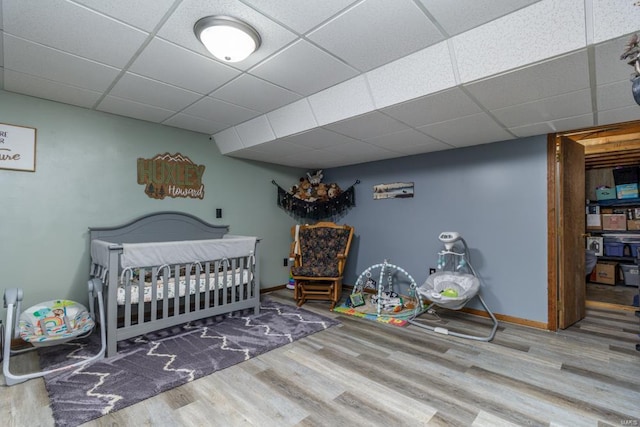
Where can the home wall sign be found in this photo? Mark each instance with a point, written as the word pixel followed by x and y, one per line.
pixel 17 148
pixel 171 175
pixel 396 190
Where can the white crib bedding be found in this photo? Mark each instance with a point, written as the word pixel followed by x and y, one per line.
pixel 236 277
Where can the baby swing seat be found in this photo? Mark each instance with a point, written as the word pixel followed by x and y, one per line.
pixel 466 286
pixel 53 322
pixel 50 323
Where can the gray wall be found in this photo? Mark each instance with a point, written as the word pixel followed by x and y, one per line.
pixel 495 195
pixel 86 177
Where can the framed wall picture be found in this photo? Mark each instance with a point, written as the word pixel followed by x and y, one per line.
pixel 396 190
pixel 17 148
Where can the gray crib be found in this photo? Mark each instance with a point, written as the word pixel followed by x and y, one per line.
pixel 169 268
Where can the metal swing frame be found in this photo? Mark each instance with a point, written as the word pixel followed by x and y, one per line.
pixel 13 302
pixel 450 240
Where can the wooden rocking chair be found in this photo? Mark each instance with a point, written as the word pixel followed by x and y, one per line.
pixel 320 253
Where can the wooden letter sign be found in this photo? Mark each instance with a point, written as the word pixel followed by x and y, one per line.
pixel 171 175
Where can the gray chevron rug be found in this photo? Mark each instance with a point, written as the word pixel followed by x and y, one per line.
pixel 156 362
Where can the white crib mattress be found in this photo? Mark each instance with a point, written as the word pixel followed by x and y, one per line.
pixel 195 285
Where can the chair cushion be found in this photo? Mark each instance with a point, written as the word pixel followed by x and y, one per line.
pixel 319 248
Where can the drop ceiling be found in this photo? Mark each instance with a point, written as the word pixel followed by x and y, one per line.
pixel 335 82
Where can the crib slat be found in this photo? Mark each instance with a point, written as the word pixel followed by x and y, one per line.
pixel 127 301
pixel 176 291
pixel 207 278
pixel 155 274
pixel 141 285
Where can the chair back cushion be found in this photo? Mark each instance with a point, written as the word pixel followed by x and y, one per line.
pixel 319 247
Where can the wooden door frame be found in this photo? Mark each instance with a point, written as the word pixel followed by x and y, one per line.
pixel 552 228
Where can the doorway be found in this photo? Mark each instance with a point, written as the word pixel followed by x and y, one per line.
pixel 606 147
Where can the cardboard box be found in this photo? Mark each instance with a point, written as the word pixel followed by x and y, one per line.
pixel 605 194
pixel 594 222
pixel 605 273
pixel 616 222
pixel 633 224
pixel 627 191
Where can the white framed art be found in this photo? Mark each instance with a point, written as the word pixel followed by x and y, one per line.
pixel 17 148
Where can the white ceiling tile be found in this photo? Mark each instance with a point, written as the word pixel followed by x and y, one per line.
pixel 434 108
pixel 573 123
pixel 559 125
pixel 179 27
pixel 144 14
pixel 406 140
pixel 124 107
pixel 468 14
pixel 318 138
pixel 532 129
pixel 152 92
pixel 371 33
pixel 367 126
pixel 565 74
pixel 342 101
pixel 615 95
pixel 625 114
pixel 34 59
pixel 228 140
pixel 547 109
pixel 297 15
pixel 316 159
pixel 256 94
pixel 47 89
pixel 361 152
pixel 304 69
pixel 280 148
pixel 293 118
pixel 91 35
pixel 260 156
pixel 614 18
pixel 418 74
pixel 177 66
pixel 609 67
pixel 180 67
pixel 521 38
pixel 423 149
pixel 255 131
pixel 196 124
pixel 220 111
pixel 468 130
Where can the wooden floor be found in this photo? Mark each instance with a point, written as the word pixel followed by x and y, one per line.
pixel 618 294
pixel 364 373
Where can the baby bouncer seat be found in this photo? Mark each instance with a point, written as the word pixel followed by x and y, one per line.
pixel 454 285
pixel 47 324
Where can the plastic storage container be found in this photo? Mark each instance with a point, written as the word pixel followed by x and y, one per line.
pixel 613 248
pixel 630 274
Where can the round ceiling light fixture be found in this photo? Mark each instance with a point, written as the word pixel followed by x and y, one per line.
pixel 227 38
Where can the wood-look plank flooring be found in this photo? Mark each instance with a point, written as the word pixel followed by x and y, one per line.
pixel 364 373
pixel 618 294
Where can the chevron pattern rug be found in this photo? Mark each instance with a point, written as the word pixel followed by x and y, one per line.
pixel 156 362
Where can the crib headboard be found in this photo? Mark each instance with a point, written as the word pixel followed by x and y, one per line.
pixel 160 227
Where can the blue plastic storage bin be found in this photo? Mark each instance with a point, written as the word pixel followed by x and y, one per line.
pixel 613 248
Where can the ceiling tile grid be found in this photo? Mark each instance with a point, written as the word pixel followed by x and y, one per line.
pixel 354 77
